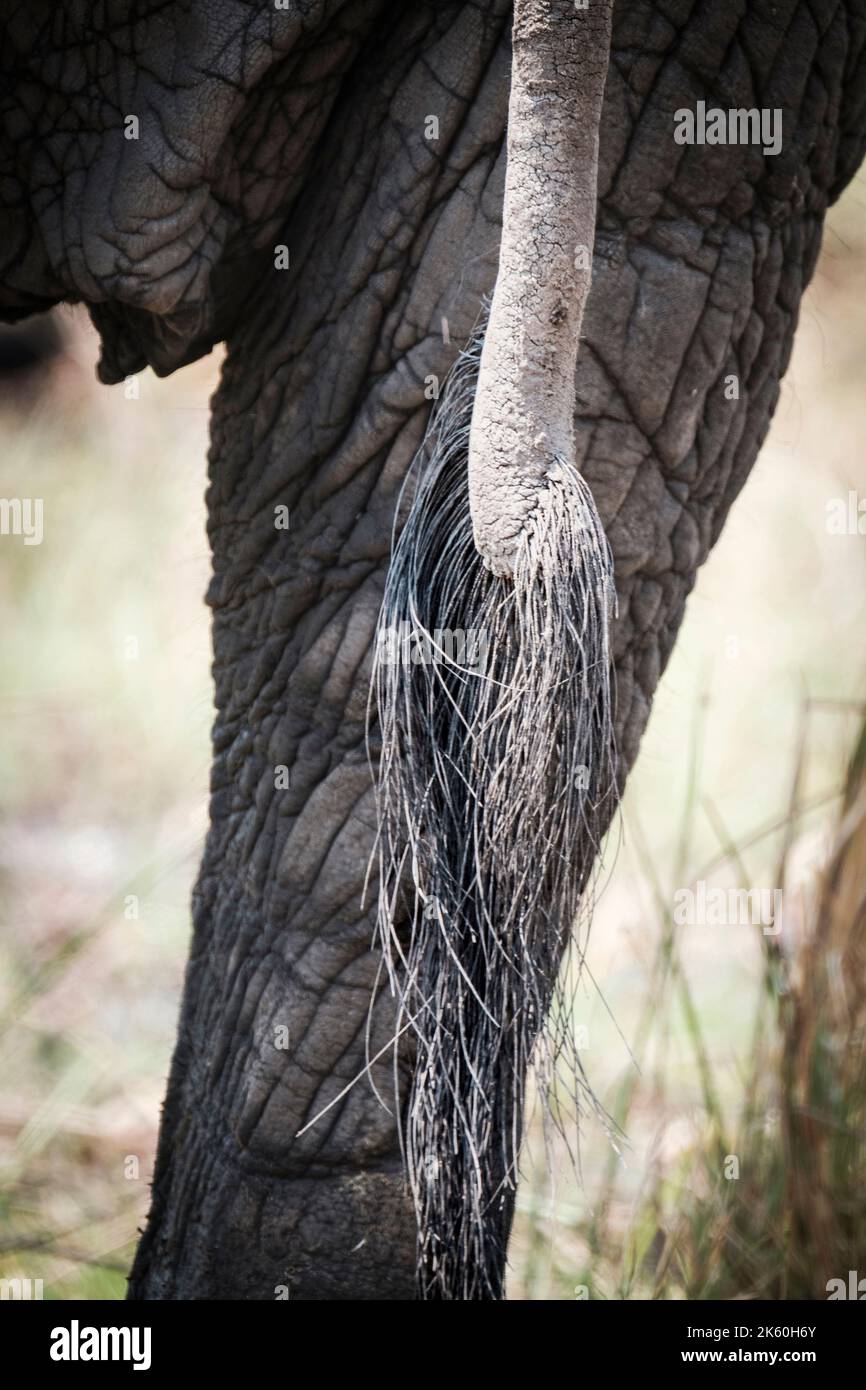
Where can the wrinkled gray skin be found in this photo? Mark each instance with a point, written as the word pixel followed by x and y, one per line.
pixel 306 127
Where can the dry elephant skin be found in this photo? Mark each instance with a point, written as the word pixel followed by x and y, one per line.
pixel 368 138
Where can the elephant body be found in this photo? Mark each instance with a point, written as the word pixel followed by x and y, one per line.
pixel 309 129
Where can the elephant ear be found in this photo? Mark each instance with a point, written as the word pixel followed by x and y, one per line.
pixel 157 194
pixel 497 776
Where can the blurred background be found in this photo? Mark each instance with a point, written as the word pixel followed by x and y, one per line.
pixel 730 1063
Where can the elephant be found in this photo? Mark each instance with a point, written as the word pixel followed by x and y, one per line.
pixel 321 185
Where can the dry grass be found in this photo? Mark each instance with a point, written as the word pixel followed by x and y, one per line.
pixel 772 1203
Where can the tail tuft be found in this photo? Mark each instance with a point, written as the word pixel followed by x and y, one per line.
pixel 496 784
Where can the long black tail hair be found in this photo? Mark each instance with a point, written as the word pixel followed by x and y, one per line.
pixel 496 782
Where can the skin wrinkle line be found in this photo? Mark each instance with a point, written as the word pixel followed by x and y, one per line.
pixel 709 278
pixel 317 1074
pixel 664 465
pixel 337 829
pixel 332 1074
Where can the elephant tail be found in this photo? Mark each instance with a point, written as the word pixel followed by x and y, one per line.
pixel 496 782
pixel 493 678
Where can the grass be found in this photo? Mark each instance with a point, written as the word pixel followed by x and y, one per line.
pixel 103 789
pixel 767 1200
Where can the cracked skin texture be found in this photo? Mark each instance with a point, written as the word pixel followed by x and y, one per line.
pixel 523 416
pixel 306 127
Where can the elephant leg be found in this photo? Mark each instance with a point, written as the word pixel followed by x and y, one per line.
pixel 321 185
pixel 323 403
pixel 700 260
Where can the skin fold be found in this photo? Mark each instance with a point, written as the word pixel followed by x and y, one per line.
pixel 307 129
